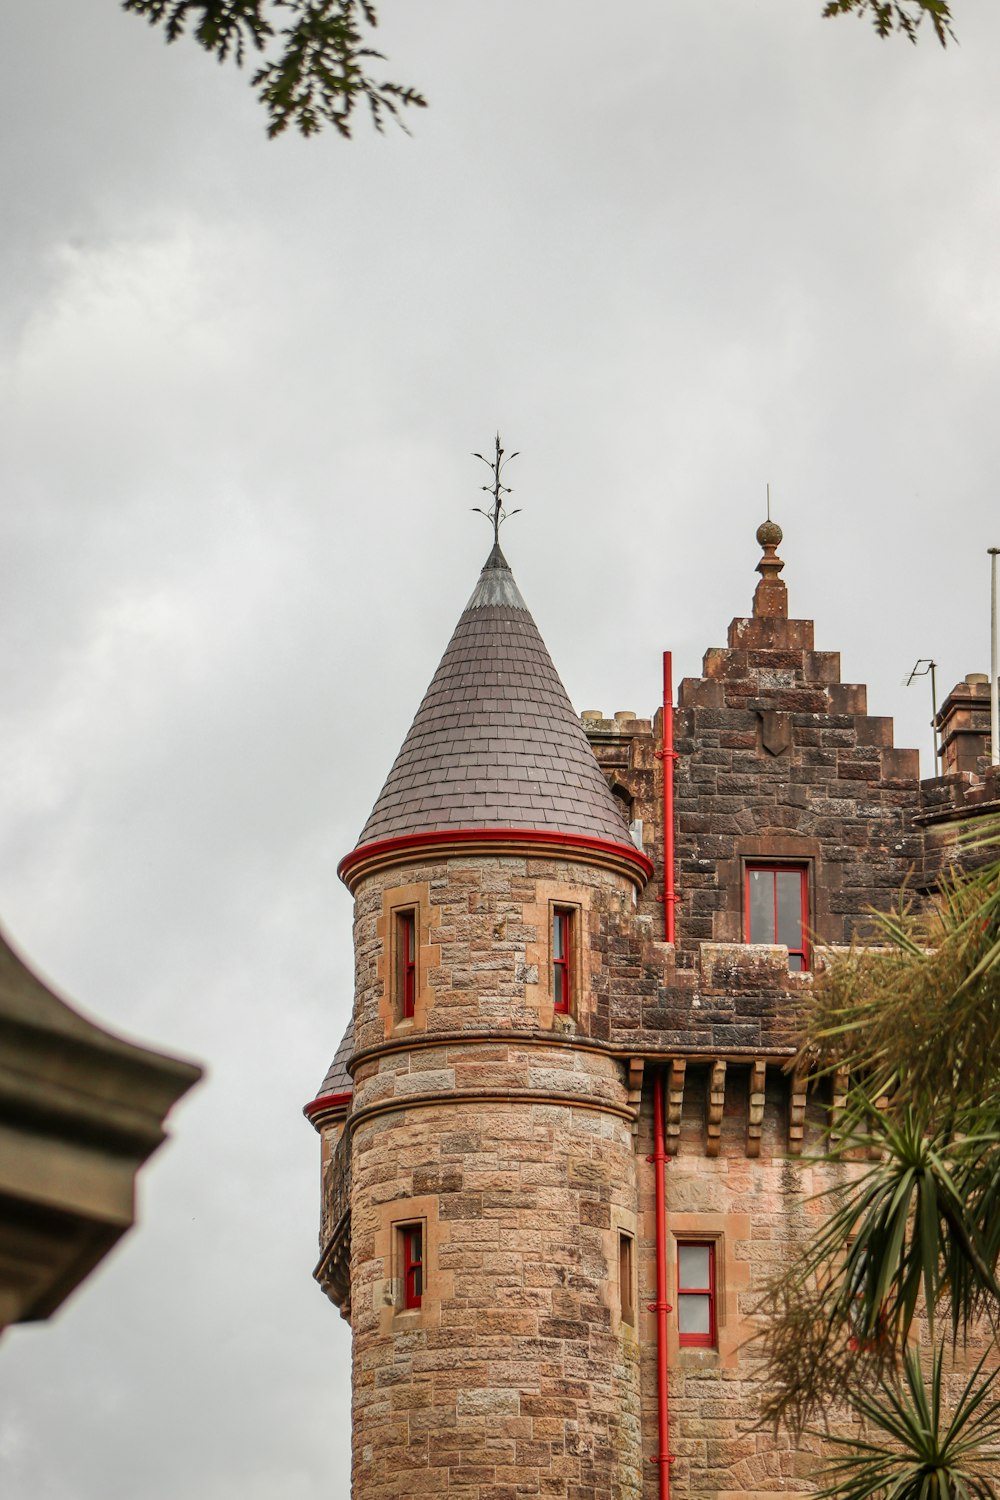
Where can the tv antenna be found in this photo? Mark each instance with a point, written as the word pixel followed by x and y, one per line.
pixel 921 668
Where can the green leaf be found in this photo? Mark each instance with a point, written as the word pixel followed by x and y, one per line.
pixel 315 75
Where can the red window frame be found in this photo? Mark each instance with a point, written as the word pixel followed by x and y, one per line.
pixel 697 1340
pixel 406 959
pixel 562 966
pixel 757 867
pixel 412 1247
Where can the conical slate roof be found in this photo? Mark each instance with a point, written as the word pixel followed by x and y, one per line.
pixel 495 743
pixel 338 1079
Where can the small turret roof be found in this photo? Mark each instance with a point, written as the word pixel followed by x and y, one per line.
pixel 338 1079
pixel 496 743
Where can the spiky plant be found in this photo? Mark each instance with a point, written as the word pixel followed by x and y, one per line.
pixel 914 1449
pixel 913 1230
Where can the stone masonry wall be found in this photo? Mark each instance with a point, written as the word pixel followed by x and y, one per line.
pixel 516 1376
pixel 504 1131
pixel 483 945
pixel 756 1212
pixel 518 1138
pixel 777 760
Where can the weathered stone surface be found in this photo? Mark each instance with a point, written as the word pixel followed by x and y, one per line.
pixel 520 1138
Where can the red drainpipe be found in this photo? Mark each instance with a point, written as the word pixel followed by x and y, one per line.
pixel 668 755
pixel 661 1307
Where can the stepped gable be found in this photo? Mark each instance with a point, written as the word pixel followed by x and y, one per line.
pixel 496 743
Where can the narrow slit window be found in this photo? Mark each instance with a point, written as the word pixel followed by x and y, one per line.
pixel 696 1309
pixel 625 1274
pixel 412 1263
pixel 562 958
pixel 406 963
pixel 777 909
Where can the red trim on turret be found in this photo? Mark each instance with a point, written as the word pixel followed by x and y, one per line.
pixel 394 851
pixel 325 1102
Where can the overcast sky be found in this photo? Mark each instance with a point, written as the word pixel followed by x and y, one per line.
pixel 675 251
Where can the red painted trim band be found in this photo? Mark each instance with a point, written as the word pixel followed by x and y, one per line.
pixel 327 1101
pixel 384 849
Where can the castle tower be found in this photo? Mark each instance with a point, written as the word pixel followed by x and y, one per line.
pixel 558 1149
pixel 489 1178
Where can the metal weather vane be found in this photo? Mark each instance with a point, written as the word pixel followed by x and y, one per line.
pixel 498 512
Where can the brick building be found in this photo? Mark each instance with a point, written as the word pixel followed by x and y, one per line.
pixel 541 1105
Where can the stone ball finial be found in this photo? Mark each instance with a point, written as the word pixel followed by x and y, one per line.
pixel 769 534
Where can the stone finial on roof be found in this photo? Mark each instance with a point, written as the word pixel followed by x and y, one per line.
pixel 770 600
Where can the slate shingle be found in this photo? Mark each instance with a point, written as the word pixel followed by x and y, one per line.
pixel 495 742
pixel 338 1080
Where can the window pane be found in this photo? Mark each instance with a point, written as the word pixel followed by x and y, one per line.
pixel 693 1265
pixel 761 886
pixel 789 883
pixel 694 1315
pixel 559 935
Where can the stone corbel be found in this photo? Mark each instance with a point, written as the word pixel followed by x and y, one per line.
pixel 796 1113
pixel 635 1071
pixel 838 1102
pixel 675 1103
pixel 716 1104
pixel 755 1115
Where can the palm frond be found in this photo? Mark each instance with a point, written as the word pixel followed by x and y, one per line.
pixel 930 1451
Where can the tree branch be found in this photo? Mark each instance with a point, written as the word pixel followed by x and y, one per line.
pixel 315 74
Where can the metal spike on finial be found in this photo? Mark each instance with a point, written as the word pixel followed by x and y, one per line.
pixel 770 600
pixel 769 533
pixel 497 512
